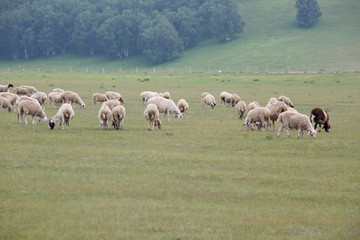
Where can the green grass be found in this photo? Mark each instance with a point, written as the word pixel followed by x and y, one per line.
pixel 271 41
pixel 204 177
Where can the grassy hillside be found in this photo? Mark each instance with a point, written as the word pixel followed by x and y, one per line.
pixel 271 41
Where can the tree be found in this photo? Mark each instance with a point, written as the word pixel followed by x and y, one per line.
pixel 308 13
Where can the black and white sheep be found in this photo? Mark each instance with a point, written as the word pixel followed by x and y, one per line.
pixel 166 106
pixel 295 120
pixel 151 114
pixel 32 108
pixel 64 115
pixel 259 116
pixel 5 88
pixel 118 116
pixel 320 116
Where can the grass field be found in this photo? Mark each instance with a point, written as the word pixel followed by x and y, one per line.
pixel 204 177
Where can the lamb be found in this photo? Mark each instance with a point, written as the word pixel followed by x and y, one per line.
pixel 294 120
pixel 209 100
pixel 319 116
pixel 72 97
pixel 286 100
pixel 241 109
pixel 99 97
pixel 118 116
pixel 104 116
pixel 5 88
pixel 12 97
pixel 5 104
pixel 30 107
pixel 40 97
pixel 151 113
pixel 112 103
pixel 275 109
pixel 182 105
pixel 259 116
pixel 253 105
pixel 166 106
pixel 114 95
pixel 64 115
pixel 55 97
pixel 146 95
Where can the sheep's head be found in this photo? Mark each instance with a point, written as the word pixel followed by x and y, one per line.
pixel 179 116
pixel 312 133
pixel 326 126
pixel 43 119
pixel 51 124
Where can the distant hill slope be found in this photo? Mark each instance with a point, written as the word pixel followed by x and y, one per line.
pixel 271 41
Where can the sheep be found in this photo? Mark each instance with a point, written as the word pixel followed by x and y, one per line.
pixel 64 115
pixel 99 97
pixel 114 95
pixel 166 106
pixel 166 95
pixel 5 104
pixel 204 94
pixel 271 100
pixel 12 97
pixel 319 116
pixel 253 105
pixel 286 100
pixel 259 116
pixel 112 103
pixel 71 97
pixel 58 90
pixel 40 97
pixel 54 97
pixel 104 116
pixel 182 105
pixel 31 90
pixel 294 120
pixel 146 95
pixel 118 116
pixel 30 107
pixel 241 109
pixel 21 91
pixel 223 96
pixel 151 113
pixel 209 100
pixel 5 88
pixel 275 109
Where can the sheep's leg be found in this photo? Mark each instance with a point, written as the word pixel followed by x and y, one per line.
pixel 300 133
pixel 279 130
pixel 287 132
pixel 25 119
pixel 33 119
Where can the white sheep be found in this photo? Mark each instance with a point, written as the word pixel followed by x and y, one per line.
pixel 146 95
pixel 72 97
pixel 259 116
pixel 166 95
pixel 241 109
pixel 271 100
pixel 275 109
pixel 5 88
pixel 115 95
pixel 12 97
pixel 151 114
pixel 5 104
pixel 64 115
pixel 182 105
pixel 294 120
pixel 166 106
pixel 112 103
pixel 286 100
pixel 209 100
pixel 31 90
pixel 118 116
pixel 40 97
pixel 54 97
pixel 223 96
pixel 58 90
pixel 203 95
pixel 253 105
pixel 99 97
pixel 21 91
pixel 32 108
pixel 104 116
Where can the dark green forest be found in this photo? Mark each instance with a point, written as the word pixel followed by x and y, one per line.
pixel 159 29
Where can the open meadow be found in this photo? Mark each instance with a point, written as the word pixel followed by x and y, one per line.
pixel 203 177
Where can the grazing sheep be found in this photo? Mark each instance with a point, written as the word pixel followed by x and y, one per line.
pixel 5 88
pixel 64 115
pixel 271 100
pixel 182 105
pixel 209 100
pixel 275 109
pixel 253 105
pixel 286 100
pixel 223 96
pixel 259 116
pixel 319 116
pixel 118 116
pixel 31 90
pixel 166 106
pixel 104 116
pixel 112 103
pixel 294 120
pixel 151 113
pixel 40 97
pixel 146 95
pixel 12 97
pixel 5 104
pixel 165 95
pixel 32 108
pixel 58 90
pixel 54 97
pixel 99 97
pixel 72 97
pixel 21 91
pixel 204 94
pixel 114 95
pixel 241 109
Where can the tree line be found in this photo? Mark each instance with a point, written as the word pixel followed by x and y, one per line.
pixel 159 29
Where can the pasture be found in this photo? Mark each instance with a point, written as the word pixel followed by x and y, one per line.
pixel 204 177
